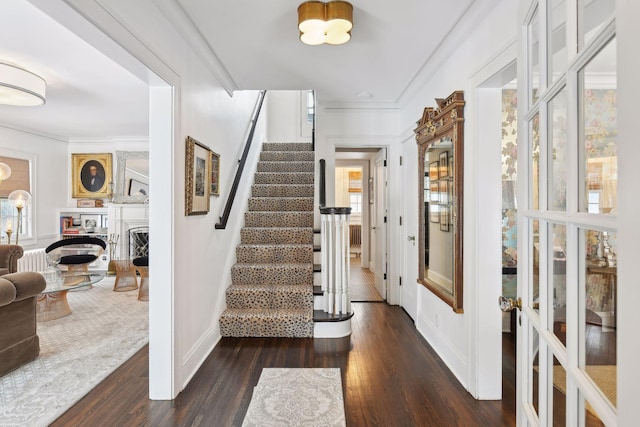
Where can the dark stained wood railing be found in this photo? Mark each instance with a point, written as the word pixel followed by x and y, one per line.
pixel 323 183
pixel 234 188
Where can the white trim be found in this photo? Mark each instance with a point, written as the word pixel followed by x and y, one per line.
pixel 182 19
pixel 482 266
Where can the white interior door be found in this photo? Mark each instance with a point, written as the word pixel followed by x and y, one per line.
pixel 567 233
pixel 379 222
pixel 409 231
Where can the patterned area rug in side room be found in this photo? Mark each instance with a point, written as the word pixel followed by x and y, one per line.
pixel 297 397
pixel 78 351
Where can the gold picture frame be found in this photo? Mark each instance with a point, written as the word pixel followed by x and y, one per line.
pixel 91 174
pixel 197 172
pixel 215 174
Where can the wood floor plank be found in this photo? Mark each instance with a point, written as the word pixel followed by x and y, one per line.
pixel 391 377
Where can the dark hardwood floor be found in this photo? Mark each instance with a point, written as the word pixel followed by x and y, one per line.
pixel 391 377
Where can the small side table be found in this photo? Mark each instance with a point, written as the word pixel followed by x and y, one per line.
pixel 125 276
pixel 142 265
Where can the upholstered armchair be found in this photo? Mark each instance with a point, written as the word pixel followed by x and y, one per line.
pixel 19 342
pixel 9 255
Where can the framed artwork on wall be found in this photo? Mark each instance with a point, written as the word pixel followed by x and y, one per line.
pixel 435 192
pixel 137 188
pixel 197 186
pixel 434 212
pixel 443 188
pixel 433 171
pixel 444 218
pixel 91 174
pixel 444 165
pixel 215 174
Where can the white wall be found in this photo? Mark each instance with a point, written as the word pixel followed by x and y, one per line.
pixel 158 35
pixel 286 121
pixel 452 335
pixel 50 182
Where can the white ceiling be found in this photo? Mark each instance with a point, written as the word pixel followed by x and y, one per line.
pixel 256 42
pixel 88 95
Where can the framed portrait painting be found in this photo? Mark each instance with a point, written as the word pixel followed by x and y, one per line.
pixel 197 172
pixel 91 175
pixel 215 174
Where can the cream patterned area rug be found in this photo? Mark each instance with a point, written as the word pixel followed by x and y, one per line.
pixel 78 351
pixel 297 397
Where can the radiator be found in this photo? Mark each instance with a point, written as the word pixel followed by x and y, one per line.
pixel 355 235
pixel 33 260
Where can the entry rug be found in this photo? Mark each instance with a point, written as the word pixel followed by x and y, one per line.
pixel 302 397
pixel 104 329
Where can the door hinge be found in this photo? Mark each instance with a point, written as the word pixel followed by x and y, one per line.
pixel 400 220
pixel 385 219
pixel 385 276
pixel 385 164
pixel 400 280
pixel 400 160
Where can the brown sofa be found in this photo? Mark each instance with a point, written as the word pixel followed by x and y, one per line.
pixel 9 255
pixel 19 342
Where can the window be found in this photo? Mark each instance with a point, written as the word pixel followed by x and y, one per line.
pixel 355 201
pixel 20 179
pixel 311 106
pixel 355 182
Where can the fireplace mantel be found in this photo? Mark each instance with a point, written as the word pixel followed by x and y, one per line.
pixel 123 217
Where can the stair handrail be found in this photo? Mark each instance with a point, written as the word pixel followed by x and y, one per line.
pixel 313 122
pixel 323 183
pixel 234 187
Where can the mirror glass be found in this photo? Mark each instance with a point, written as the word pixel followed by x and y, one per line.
pixel 132 184
pixel 438 266
pixel 439 137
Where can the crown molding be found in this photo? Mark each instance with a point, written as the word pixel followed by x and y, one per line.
pixel 39 134
pixel 108 139
pixel 475 12
pixel 182 20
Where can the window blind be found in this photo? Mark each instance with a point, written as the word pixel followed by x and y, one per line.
pixel 20 178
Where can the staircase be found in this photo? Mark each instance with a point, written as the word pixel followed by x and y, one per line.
pixel 272 281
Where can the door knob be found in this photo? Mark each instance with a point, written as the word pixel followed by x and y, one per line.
pixel 508 304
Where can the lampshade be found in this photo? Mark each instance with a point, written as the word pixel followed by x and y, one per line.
pixel 20 198
pixel 329 23
pixel 5 171
pixel 20 87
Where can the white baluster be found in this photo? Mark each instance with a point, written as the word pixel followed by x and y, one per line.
pixel 335 260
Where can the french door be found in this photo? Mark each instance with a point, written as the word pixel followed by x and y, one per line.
pixel 567 188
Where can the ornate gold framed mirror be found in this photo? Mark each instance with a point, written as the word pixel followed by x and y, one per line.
pixel 440 138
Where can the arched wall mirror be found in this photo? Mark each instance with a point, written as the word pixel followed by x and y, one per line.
pixel 132 181
pixel 440 149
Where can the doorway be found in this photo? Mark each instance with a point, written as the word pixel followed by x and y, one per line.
pixel 356 186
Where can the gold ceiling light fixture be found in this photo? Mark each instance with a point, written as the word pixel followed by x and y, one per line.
pixel 20 87
pixel 321 22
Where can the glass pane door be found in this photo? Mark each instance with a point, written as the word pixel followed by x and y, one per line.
pixel 567 372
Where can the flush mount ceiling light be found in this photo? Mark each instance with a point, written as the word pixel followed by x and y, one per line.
pixel 20 87
pixel 329 23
